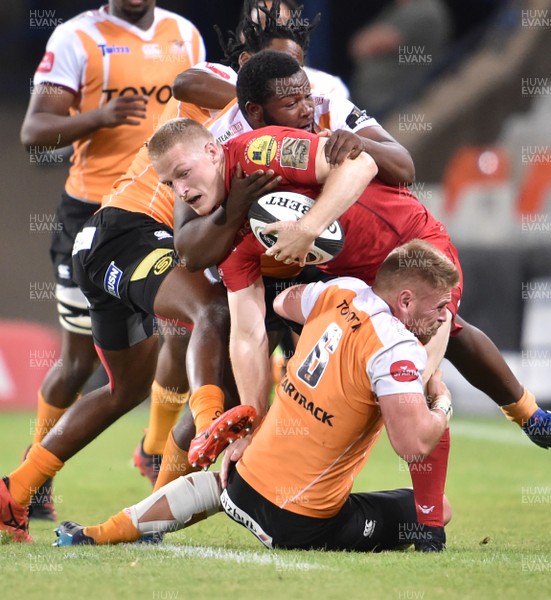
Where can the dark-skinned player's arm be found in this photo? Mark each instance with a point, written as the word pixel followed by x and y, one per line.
pixel 199 87
pixel 204 241
pixel 393 160
pixel 48 122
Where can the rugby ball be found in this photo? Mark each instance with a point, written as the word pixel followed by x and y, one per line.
pixel 290 206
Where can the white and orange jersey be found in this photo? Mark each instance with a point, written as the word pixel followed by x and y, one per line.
pixel 325 84
pixel 97 57
pixel 217 70
pixel 325 418
pixel 335 112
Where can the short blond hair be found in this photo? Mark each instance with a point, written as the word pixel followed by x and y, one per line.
pixel 417 260
pixel 176 131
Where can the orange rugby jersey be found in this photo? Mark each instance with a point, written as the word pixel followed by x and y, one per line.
pixel 325 418
pixel 98 57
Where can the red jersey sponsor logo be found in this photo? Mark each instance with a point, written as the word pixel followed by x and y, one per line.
pixel 295 153
pixel 262 150
pixel 217 71
pixel 47 63
pixel 403 371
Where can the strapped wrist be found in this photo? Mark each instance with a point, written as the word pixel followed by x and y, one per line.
pixel 444 404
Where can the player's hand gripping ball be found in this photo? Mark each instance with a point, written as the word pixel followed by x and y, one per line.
pixel 290 206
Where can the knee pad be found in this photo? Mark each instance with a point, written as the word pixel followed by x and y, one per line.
pixel 72 308
pixel 190 497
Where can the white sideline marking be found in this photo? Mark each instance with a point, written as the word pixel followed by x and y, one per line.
pixel 238 556
pixel 513 436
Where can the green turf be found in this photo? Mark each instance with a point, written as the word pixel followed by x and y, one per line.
pixel 498 542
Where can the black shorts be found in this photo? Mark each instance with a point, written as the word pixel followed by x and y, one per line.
pixel 120 259
pixel 273 287
pixel 369 522
pixel 71 214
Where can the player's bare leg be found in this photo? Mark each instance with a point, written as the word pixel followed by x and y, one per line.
pixel 189 297
pixel 78 360
pixel 131 373
pixel 60 388
pixel 477 358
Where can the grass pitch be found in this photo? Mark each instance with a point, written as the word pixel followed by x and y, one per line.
pixel 498 542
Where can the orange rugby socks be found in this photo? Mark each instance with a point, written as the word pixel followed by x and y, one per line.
pixel 206 404
pixel 39 465
pixel 175 463
pixel 46 417
pixel 522 410
pixel 163 414
pixel 117 529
